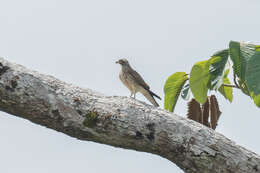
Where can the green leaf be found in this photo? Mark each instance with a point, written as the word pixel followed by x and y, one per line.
pixel 172 89
pixel 199 80
pixel 218 64
pixel 234 49
pixel 246 59
pixel 252 71
pixel 243 87
pixel 227 92
pixel 256 99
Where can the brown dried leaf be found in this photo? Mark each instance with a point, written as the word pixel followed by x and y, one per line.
pixel 205 113
pixel 214 112
pixel 194 110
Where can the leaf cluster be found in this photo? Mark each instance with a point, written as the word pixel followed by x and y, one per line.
pixel 213 75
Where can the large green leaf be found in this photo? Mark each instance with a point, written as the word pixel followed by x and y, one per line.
pixel 227 92
pixel 252 71
pixel 234 50
pixel 238 53
pixel 172 89
pixel 199 80
pixel 246 59
pixel 218 63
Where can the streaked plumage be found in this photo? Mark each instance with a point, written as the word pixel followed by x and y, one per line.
pixel 134 82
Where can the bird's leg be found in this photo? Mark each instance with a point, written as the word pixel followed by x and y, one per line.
pixel 131 95
pixel 134 95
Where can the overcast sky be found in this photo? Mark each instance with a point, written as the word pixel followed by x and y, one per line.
pixel 79 41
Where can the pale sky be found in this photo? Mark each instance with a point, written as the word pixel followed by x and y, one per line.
pixel 79 41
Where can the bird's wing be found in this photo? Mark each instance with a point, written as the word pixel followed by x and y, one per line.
pixel 138 78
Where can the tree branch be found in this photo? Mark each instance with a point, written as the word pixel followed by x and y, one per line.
pixel 120 122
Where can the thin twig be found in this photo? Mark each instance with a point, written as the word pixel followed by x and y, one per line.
pixel 230 85
pixel 235 79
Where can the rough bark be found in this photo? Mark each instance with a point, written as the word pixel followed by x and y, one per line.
pixel 120 122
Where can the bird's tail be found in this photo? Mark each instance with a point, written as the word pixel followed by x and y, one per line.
pixel 153 94
pixel 149 96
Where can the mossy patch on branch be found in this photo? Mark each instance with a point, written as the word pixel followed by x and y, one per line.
pixel 91 119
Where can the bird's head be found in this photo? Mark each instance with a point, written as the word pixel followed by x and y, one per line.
pixel 123 62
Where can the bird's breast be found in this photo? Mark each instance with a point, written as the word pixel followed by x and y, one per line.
pixel 126 80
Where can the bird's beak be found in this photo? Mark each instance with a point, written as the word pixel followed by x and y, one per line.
pixel 117 62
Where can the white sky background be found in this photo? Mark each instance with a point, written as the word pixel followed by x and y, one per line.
pixel 79 42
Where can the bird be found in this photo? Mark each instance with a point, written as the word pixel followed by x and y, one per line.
pixel 134 82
